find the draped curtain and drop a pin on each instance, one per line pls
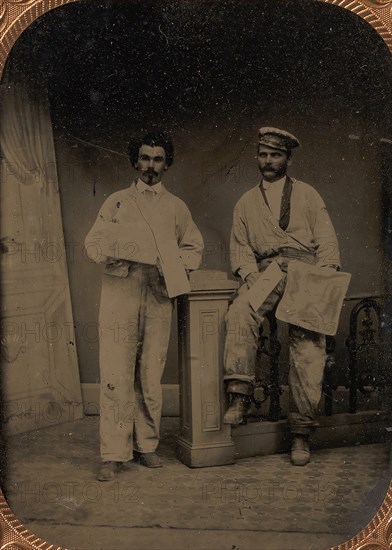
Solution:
(40, 368)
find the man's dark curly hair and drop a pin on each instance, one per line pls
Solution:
(153, 139)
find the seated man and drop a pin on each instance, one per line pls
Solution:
(148, 241)
(279, 219)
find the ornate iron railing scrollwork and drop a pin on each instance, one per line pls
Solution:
(364, 339)
(271, 347)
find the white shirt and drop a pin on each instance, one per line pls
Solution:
(141, 186)
(274, 191)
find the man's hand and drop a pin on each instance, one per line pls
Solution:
(114, 262)
(252, 278)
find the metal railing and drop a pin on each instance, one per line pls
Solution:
(365, 338)
(364, 344)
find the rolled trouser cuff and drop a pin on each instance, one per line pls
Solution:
(243, 387)
(113, 457)
(301, 426)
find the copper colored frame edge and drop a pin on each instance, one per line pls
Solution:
(378, 13)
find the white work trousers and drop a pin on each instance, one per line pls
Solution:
(307, 358)
(135, 319)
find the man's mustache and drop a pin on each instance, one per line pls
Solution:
(150, 172)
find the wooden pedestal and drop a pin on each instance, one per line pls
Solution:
(204, 439)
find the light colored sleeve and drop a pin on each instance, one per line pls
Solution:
(242, 258)
(325, 239)
(100, 243)
(189, 239)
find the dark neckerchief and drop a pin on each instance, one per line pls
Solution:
(284, 218)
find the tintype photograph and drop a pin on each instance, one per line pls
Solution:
(196, 275)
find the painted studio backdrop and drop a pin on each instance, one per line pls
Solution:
(78, 86)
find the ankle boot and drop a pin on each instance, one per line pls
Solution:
(108, 470)
(238, 406)
(300, 453)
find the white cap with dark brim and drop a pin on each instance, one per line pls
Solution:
(277, 139)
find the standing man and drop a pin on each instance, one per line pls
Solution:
(148, 242)
(280, 219)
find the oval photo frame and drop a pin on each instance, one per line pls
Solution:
(15, 17)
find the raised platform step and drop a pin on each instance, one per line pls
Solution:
(265, 438)
(340, 402)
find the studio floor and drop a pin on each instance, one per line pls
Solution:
(258, 503)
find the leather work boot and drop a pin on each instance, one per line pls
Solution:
(238, 406)
(300, 453)
(108, 471)
(150, 460)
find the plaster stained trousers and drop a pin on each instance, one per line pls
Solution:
(307, 358)
(134, 319)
